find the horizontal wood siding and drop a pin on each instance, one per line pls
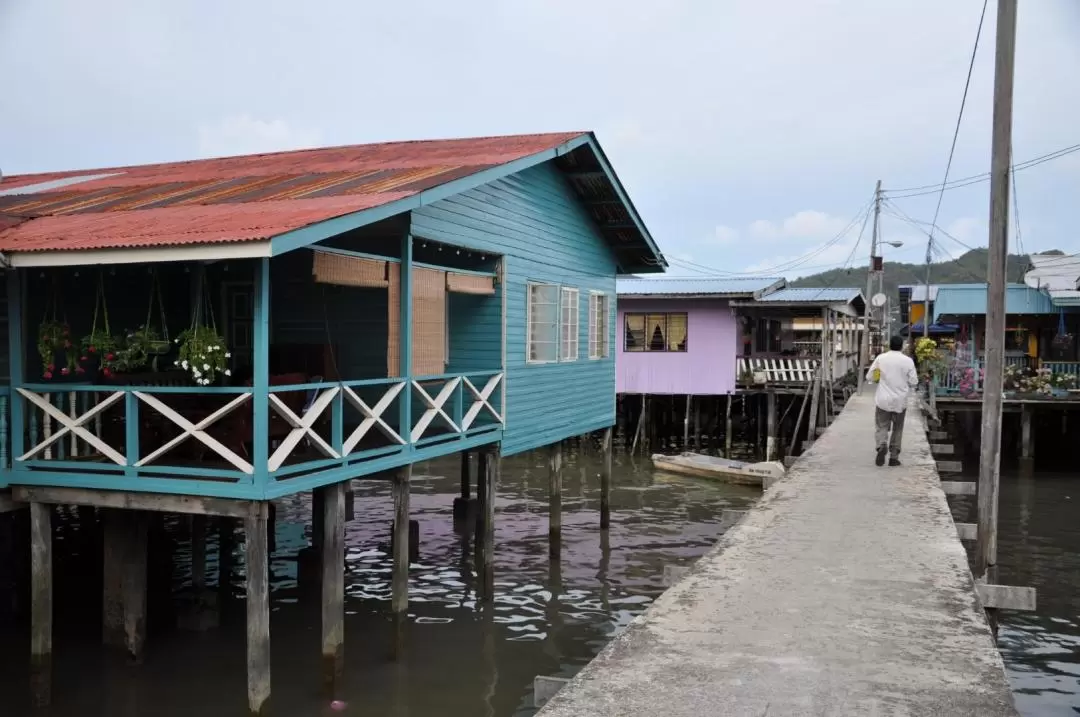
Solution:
(475, 330)
(536, 222)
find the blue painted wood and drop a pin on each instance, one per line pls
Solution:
(535, 221)
(5, 455)
(131, 428)
(260, 444)
(71, 479)
(474, 324)
(405, 337)
(339, 225)
(17, 352)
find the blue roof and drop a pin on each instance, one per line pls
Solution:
(695, 286)
(970, 300)
(826, 295)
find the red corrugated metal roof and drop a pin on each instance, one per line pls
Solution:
(237, 198)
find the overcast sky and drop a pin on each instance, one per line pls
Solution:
(748, 132)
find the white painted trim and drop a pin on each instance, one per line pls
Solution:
(435, 408)
(502, 280)
(565, 292)
(528, 322)
(302, 426)
(372, 417)
(196, 430)
(480, 400)
(88, 257)
(603, 350)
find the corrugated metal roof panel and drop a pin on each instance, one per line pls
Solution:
(247, 198)
(694, 286)
(828, 295)
(1057, 275)
(970, 300)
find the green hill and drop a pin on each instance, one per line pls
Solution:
(966, 269)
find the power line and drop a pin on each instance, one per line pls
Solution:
(783, 266)
(909, 192)
(956, 135)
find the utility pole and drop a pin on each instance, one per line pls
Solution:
(1000, 160)
(870, 288)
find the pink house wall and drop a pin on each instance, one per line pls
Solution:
(706, 368)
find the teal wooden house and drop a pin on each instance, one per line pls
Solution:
(205, 336)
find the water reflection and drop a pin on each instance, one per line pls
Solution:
(1039, 546)
(456, 654)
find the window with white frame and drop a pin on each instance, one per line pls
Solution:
(543, 323)
(570, 311)
(598, 325)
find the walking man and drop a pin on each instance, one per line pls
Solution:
(895, 376)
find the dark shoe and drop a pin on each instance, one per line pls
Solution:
(894, 461)
(880, 459)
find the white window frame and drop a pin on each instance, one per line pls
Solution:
(569, 324)
(529, 322)
(599, 344)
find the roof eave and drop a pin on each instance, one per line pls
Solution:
(219, 251)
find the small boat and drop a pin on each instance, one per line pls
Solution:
(695, 464)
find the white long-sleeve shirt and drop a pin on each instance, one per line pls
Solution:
(898, 376)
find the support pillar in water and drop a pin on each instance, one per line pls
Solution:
(487, 479)
(198, 555)
(399, 599)
(41, 604)
(461, 503)
(555, 475)
(605, 479)
(333, 584)
(727, 429)
(1027, 441)
(258, 610)
(770, 438)
(124, 572)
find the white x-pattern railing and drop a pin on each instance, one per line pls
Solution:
(303, 425)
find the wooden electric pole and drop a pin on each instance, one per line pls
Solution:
(865, 358)
(1000, 160)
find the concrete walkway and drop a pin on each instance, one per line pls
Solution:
(844, 592)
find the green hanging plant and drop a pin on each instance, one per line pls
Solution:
(203, 352)
(99, 347)
(54, 338)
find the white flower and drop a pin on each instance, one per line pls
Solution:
(228, 355)
(175, 363)
(206, 367)
(196, 372)
(176, 341)
(184, 364)
(215, 347)
(228, 372)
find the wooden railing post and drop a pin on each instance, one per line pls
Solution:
(260, 440)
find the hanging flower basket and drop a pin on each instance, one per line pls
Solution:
(99, 349)
(56, 349)
(203, 352)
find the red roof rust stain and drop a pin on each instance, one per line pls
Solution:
(239, 198)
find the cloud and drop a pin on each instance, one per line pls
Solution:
(807, 224)
(723, 235)
(244, 134)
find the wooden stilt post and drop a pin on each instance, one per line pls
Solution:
(114, 549)
(605, 480)
(727, 429)
(815, 396)
(489, 476)
(1026, 447)
(770, 438)
(555, 471)
(798, 420)
(640, 431)
(333, 584)
(697, 426)
(686, 424)
(258, 611)
(134, 584)
(400, 579)
(466, 475)
(41, 603)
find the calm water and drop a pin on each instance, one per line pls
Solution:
(547, 619)
(1039, 546)
(458, 659)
